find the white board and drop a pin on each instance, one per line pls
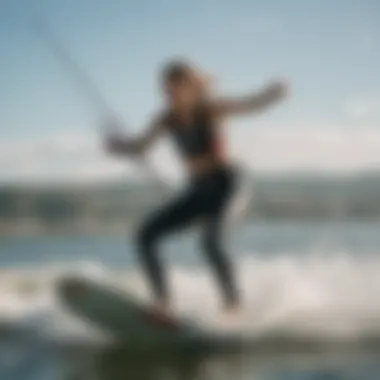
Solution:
(133, 322)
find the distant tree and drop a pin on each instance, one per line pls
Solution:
(56, 209)
(9, 203)
(364, 209)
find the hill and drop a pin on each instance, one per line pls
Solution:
(104, 205)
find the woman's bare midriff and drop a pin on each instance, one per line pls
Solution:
(199, 166)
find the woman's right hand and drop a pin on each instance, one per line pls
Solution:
(114, 140)
(117, 144)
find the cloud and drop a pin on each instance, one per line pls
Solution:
(366, 107)
(59, 157)
(317, 149)
(79, 157)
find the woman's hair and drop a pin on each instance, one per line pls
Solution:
(183, 71)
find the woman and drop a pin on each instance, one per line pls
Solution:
(193, 119)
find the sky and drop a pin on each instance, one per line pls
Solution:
(329, 52)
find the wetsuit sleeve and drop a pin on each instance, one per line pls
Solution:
(253, 102)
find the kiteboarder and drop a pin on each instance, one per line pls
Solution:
(193, 117)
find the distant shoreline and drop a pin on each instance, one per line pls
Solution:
(116, 207)
(21, 230)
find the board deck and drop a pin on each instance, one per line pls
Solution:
(132, 321)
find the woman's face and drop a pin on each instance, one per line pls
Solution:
(181, 93)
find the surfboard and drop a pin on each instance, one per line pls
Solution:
(133, 322)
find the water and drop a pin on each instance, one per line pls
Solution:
(310, 289)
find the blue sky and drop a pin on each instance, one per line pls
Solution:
(329, 52)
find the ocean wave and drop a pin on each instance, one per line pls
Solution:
(288, 299)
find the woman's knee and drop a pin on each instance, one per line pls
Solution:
(210, 243)
(147, 234)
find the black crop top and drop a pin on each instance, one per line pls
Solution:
(199, 138)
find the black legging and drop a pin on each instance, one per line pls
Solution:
(206, 199)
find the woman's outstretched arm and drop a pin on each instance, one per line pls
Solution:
(255, 102)
(117, 144)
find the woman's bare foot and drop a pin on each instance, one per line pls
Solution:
(162, 308)
(232, 311)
